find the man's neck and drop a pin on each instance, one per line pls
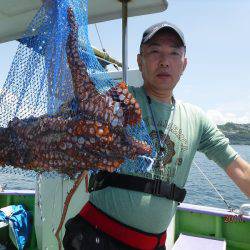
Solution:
(159, 95)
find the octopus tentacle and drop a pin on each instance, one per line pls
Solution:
(83, 86)
(83, 89)
(130, 107)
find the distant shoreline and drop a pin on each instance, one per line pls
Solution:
(238, 143)
(238, 134)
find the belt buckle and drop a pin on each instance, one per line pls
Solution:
(164, 189)
(172, 189)
(99, 180)
(157, 187)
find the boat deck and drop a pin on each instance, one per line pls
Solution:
(192, 224)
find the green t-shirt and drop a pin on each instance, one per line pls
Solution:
(190, 130)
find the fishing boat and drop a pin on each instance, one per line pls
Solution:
(193, 227)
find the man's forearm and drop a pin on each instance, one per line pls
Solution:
(239, 172)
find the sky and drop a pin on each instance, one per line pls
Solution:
(217, 33)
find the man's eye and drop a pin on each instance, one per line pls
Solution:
(154, 51)
(175, 53)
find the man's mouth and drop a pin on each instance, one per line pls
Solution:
(163, 75)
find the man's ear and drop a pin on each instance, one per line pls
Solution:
(184, 64)
(139, 61)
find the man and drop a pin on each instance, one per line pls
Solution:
(134, 217)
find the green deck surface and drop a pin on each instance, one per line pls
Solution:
(235, 231)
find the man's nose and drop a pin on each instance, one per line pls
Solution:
(164, 60)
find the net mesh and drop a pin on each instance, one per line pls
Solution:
(60, 112)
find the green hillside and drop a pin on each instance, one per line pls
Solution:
(237, 133)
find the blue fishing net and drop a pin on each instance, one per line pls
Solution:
(40, 82)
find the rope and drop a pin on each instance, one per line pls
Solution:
(100, 40)
(227, 203)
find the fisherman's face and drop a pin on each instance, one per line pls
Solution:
(162, 61)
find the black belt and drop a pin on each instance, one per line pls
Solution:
(155, 187)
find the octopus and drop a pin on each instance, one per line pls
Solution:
(91, 136)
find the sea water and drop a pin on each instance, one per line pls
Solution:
(199, 191)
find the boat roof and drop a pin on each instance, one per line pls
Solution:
(16, 14)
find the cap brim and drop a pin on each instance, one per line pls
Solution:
(157, 29)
